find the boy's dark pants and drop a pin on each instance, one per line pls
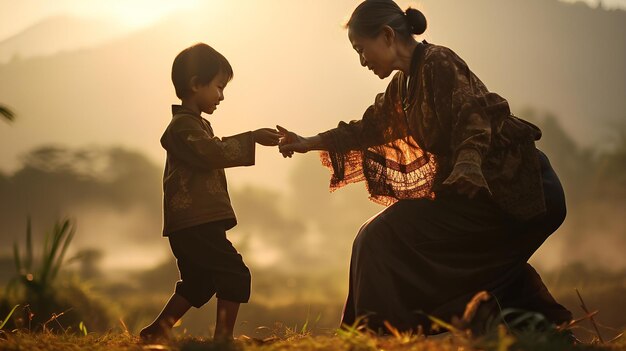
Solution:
(209, 264)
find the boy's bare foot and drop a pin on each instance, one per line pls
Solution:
(153, 333)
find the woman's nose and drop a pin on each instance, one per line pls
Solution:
(363, 61)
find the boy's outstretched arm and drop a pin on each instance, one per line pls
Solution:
(203, 151)
(267, 136)
(188, 141)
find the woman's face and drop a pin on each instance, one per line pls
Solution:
(375, 53)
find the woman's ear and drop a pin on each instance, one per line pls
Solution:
(390, 34)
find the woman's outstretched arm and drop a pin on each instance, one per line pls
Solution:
(381, 123)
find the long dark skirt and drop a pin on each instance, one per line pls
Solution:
(429, 257)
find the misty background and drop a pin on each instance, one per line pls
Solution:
(92, 97)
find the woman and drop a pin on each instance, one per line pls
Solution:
(469, 196)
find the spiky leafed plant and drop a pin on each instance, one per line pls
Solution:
(45, 299)
(33, 284)
(37, 280)
(6, 113)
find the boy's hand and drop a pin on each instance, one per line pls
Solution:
(266, 136)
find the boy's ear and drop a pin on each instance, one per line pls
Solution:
(193, 84)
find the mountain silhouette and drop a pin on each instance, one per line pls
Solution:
(56, 34)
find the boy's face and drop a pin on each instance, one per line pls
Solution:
(210, 95)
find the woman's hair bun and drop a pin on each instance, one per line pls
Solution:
(416, 20)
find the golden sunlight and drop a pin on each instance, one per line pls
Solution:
(141, 13)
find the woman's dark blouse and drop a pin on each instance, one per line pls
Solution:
(417, 139)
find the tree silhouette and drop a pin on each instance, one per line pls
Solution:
(6, 113)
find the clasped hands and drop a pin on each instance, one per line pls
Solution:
(288, 142)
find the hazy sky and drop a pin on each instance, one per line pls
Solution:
(18, 15)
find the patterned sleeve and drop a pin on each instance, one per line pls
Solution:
(464, 107)
(192, 144)
(377, 126)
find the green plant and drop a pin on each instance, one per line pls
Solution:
(35, 282)
(305, 328)
(38, 280)
(4, 322)
(83, 328)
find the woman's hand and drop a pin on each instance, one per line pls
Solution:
(292, 142)
(267, 136)
(467, 179)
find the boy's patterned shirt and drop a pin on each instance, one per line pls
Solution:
(194, 181)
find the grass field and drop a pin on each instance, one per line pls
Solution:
(342, 340)
(497, 338)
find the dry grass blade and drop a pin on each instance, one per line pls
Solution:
(55, 318)
(616, 338)
(584, 307)
(445, 325)
(392, 330)
(575, 322)
(156, 347)
(472, 307)
(124, 327)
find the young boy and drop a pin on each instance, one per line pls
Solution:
(196, 206)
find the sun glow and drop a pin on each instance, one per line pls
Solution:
(136, 13)
(141, 13)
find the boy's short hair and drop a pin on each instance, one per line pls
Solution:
(199, 60)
